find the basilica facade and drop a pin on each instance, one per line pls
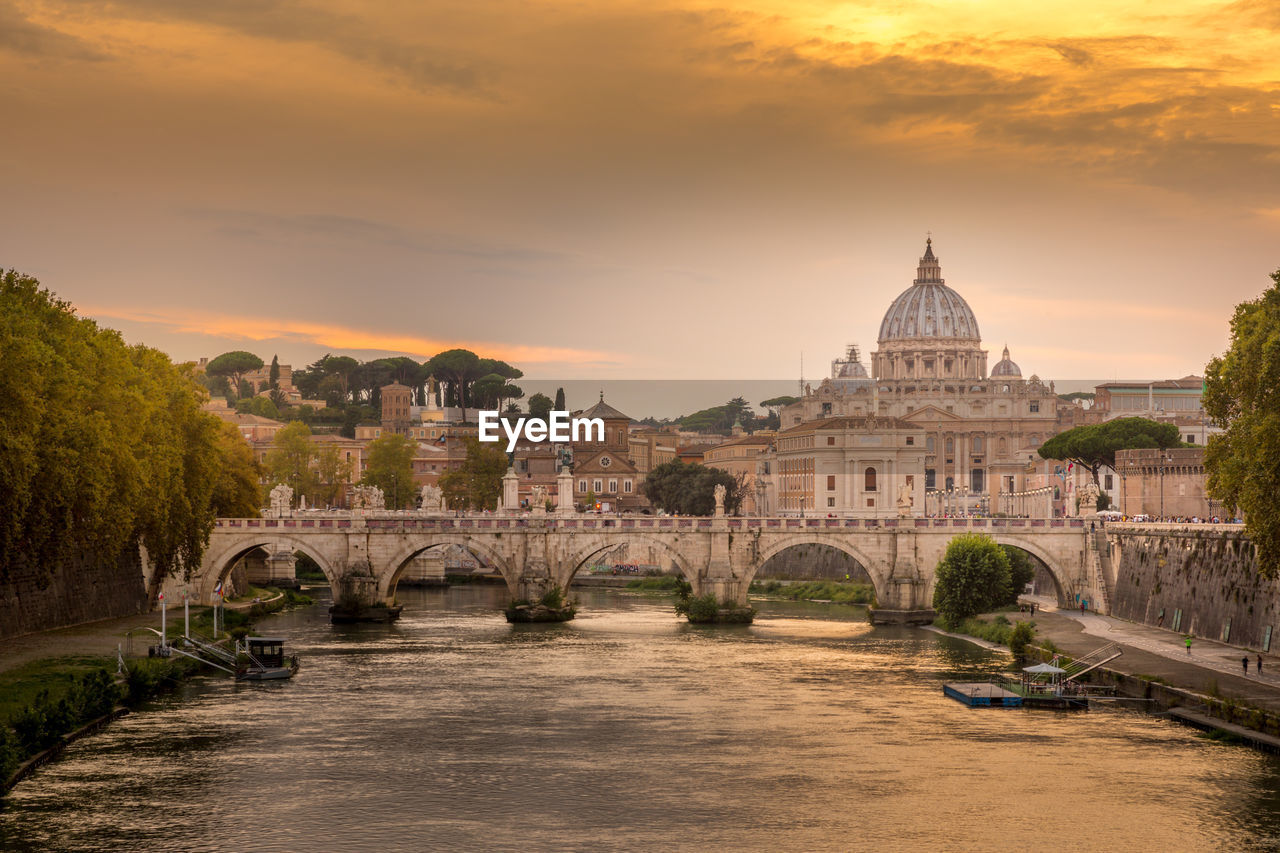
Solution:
(980, 429)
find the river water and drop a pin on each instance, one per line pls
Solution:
(627, 729)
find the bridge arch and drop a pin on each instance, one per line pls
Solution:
(397, 564)
(840, 543)
(579, 558)
(1063, 580)
(217, 564)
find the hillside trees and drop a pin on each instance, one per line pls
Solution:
(232, 366)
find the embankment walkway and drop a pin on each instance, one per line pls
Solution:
(1157, 652)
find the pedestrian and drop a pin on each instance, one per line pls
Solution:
(1244, 661)
(1082, 606)
(1259, 665)
(1187, 640)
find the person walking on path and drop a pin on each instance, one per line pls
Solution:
(1244, 661)
(1259, 666)
(1187, 640)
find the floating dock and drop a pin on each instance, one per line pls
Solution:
(982, 694)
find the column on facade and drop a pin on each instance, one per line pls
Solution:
(962, 459)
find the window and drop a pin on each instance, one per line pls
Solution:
(626, 486)
(831, 439)
(869, 478)
(831, 501)
(930, 478)
(1035, 406)
(911, 440)
(826, 409)
(977, 444)
(929, 446)
(582, 485)
(831, 482)
(951, 446)
(596, 486)
(1107, 482)
(605, 461)
(1191, 439)
(976, 480)
(613, 487)
(871, 502)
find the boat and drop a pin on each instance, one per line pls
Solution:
(263, 659)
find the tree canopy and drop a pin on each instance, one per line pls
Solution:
(1095, 445)
(102, 444)
(477, 484)
(690, 489)
(1242, 395)
(233, 366)
(973, 577)
(391, 469)
(540, 406)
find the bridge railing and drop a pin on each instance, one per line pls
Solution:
(330, 521)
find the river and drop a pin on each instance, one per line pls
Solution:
(627, 729)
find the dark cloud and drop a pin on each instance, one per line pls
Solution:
(19, 35)
(423, 66)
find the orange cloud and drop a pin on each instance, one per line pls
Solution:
(338, 337)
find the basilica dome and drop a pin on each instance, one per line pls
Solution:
(1006, 367)
(929, 309)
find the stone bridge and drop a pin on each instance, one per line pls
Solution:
(364, 555)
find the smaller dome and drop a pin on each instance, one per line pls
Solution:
(1006, 367)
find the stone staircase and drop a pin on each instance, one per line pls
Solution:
(1098, 553)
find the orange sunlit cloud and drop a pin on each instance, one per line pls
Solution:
(338, 338)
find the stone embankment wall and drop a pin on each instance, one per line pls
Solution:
(1198, 579)
(83, 589)
(813, 562)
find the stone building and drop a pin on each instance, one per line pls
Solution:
(856, 467)
(396, 402)
(980, 429)
(1164, 484)
(602, 468)
(740, 457)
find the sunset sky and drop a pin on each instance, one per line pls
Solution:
(645, 189)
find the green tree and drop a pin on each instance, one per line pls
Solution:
(540, 406)
(690, 489)
(262, 406)
(237, 492)
(779, 402)
(1095, 445)
(391, 469)
(1242, 395)
(289, 460)
(560, 400)
(332, 473)
(233, 366)
(458, 369)
(273, 376)
(972, 577)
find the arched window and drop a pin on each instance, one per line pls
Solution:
(928, 445)
(951, 446)
(977, 444)
(870, 480)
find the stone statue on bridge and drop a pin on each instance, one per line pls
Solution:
(367, 497)
(538, 500)
(1087, 499)
(281, 499)
(905, 501)
(720, 492)
(432, 498)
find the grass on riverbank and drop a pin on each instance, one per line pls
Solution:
(665, 583)
(1015, 635)
(833, 591)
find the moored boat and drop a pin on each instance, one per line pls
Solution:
(263, 659)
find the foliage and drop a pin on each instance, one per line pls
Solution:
(273, 375)
(560, 404)
(261, 406)
(720, 418)
(664, 582)
(972, 577)
(459, 369)
(779, 402)
(833, 591)
(698, 608)
(478, 483)
(1076, 395)
(391, 469)
(690, 489)
(42, 723)
(1242, 395)
(102, 444)
(1021, 572)
(1095, 445)
(233, 366)
(289, 460)
(540, 406)
(1020, 637)
(237, 491)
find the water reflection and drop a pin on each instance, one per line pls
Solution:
(626, 729)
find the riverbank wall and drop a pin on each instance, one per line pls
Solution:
(1199, 579)
(85, 588)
